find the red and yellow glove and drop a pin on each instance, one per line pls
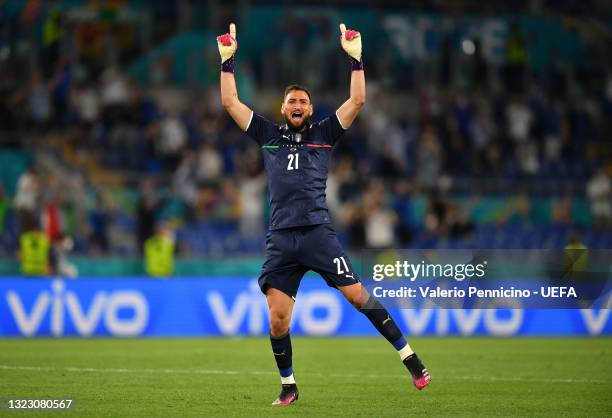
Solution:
(228, 45)
(351, 43)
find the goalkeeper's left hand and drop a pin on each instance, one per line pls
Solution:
(227, 44)
(351, 42)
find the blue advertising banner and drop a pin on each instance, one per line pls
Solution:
(234, 306)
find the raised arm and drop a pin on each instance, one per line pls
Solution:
(351, 43)
(240, 112)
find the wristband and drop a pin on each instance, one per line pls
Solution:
(355, 65)
(228, 65)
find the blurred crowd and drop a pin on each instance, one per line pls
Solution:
(111, 160)
(195, 166)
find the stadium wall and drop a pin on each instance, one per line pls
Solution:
(231, 306)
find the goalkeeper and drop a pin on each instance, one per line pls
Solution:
(301, 238)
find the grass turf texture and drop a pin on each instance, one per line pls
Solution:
(336, 376)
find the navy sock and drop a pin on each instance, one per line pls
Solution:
(281, 347)
(380, 318)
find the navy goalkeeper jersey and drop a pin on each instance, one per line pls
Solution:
(297, 166)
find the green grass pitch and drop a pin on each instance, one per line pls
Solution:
(356, 377)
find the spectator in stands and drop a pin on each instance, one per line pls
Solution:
(210, 164)
(349, 181)
(527, 158)
(52, 217)
(430, 156)
(458, 225)
(59, 264)
(184, 183)
(380, 219)
(392, 159)
(159, 252)
(143, 109)
(435, 215)
(251, 188)
(99, 219)
(519, 119)
(149, 205)
(114, 95)
(61, 86)
(353, 222)
(482, 133)
(75, 206)
(209, 200)
(229, 205)
(34, 251)
(576, 263)
(171, 141)
(561, 211)
(403, 206)
(520, 212)
(599, 192)
(27, 199)
(39, 104)
(86, 102)
(574, 242)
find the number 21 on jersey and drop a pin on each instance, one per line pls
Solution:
(294, 160)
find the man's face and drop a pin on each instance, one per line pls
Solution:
(297, 109)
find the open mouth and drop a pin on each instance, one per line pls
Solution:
(296, 116)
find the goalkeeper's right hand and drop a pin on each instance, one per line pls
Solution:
(228, 45)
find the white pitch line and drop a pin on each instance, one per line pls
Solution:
(531, 379)
(122, 370)
(267, 373)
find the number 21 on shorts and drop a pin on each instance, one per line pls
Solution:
(341, 265)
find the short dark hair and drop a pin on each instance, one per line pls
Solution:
(296, 87)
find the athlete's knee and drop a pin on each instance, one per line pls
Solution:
(356, 300)
(279, 321)
(356, 297)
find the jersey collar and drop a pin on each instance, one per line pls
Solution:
(294, 136)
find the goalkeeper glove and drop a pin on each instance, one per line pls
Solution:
(228, 45)
(351, 43)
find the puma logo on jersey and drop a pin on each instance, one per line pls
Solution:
(280, 354)
(386, 320)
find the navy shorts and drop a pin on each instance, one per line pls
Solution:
(291, 252)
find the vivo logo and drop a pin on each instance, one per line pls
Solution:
(63, 306)
(467, 321)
